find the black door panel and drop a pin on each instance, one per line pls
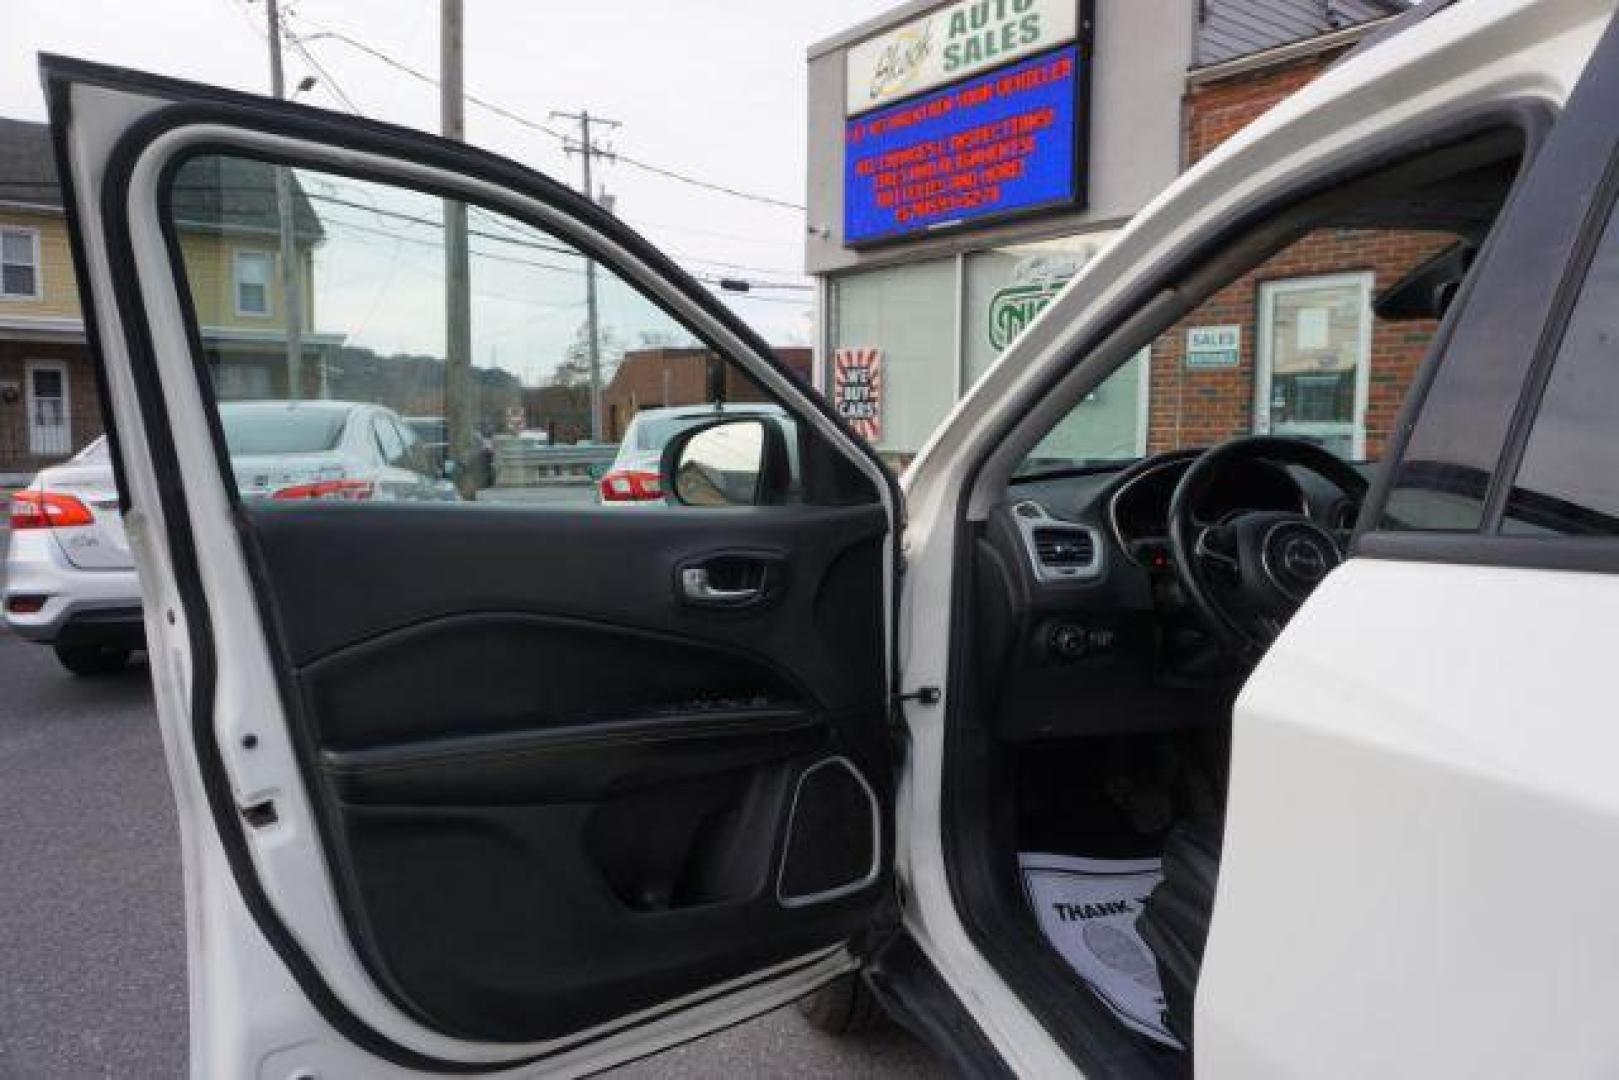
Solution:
(532, 671)
(554, 792)
(570, 764)
(340, 575)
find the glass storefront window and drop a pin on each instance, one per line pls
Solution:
(1005, 290)
(1314, 341)
(1008, 287)
(907, 314)
(1109, 424)
(928, 343)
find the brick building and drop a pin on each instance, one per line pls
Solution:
(1189, 405)
(1141, 90)
(656, 378)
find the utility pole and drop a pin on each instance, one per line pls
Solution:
(292, 297)
(587, 149)
(458, 395)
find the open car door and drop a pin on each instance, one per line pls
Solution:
(1414, 878)
(474, 774)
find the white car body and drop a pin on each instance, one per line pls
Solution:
(343, 446)
(1414, 880)
(640, 451)
(84, 572)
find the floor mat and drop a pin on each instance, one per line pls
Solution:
(1087, 909)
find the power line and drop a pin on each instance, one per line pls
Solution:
(501, 222)
(738, 266)
(532, 125)
(509, 237)
(670, 174)
(326, 76)
(423, 77)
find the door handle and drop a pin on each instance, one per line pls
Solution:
(696, 587)
(729, 579)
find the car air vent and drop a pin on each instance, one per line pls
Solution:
(1064, 548)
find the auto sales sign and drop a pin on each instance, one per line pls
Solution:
(951, 44)
(973, 114)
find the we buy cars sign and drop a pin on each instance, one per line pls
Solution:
(857, 390)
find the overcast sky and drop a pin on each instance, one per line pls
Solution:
(714, 88)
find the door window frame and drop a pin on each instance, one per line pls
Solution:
(186, 443)
(1363, 280)
(36, 434)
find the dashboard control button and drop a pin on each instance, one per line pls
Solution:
(1068, 642)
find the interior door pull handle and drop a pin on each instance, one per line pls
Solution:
(695, 584)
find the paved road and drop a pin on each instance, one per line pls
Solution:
(92, 943)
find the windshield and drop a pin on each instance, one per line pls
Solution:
(280, 429)
(1299, 348)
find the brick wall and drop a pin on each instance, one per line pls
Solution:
(1215, 111)
(1198, 407)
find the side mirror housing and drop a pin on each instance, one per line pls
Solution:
(729, 461)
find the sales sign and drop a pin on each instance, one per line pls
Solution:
(1213, 346)
(996, 144)
(952, 43)
(857, 390)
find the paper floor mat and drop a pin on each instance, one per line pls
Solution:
(1087, 909)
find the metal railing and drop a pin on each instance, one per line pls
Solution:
(522, 463)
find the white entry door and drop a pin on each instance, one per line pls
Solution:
(49, 431)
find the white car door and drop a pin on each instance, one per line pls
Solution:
(1416, 878)
(1420, 798)
(471, 789)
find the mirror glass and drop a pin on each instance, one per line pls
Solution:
(720, 465)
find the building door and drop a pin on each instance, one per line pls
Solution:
(1315, 337)
(49, 433)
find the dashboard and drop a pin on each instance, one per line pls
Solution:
(1084, 629)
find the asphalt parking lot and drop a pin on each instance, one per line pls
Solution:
(92, 942)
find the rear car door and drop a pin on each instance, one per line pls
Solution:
(1415, 878)
(508, 783)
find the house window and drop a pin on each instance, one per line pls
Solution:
(1315, 338)
(19, 264)
(252, 275)
(49, 434)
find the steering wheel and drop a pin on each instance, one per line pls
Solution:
(1247, 574)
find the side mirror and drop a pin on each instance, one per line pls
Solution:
(731, 461)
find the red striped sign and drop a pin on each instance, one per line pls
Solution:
(857, 390)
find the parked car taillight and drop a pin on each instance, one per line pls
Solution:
(631, 485)
(48, 510)
(340, 490)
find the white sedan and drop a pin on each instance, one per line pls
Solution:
(69, 580)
